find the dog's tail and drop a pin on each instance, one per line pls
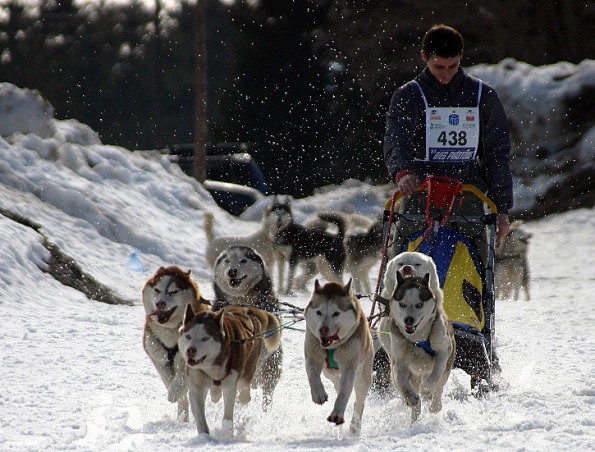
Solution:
(209, 222)
(337, 219)
(272, 332)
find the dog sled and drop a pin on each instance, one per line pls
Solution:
(455, 224)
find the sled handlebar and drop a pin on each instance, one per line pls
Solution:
(397, 196)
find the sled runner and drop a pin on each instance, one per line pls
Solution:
(455, 224)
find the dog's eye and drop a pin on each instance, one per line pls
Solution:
(173, 292)
(157, 291)
(419, 305)
(402, 305)
(204, 339)
(188, 337)
(318, 312)
(336, 314)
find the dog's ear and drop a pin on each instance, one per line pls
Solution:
(158, 274)
(426, 280)
(188, 272)
(189, 314)
(316, 286)
(347, 287)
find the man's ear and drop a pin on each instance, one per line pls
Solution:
(423, 55)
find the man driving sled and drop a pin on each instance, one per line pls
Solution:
(413, 144)
(447, 123)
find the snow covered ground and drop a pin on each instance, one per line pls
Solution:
(74, 376)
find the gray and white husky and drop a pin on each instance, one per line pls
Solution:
(241, 279)
(277, 214)
(338, 344)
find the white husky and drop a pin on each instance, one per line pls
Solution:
(338, 343)
(409, 263)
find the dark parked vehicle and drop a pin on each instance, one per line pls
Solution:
(234, 178)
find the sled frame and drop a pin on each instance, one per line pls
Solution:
(442, 194)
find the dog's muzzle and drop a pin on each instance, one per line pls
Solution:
(195, 362)
(327, 341)
(163, 316)
(233, 278)
(407, 270)
(410, 326)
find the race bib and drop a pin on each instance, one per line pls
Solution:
(452, 134)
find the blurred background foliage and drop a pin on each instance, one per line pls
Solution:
(307, 81)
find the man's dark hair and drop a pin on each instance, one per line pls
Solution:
(443, 41)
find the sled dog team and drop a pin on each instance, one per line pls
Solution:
(226, 348)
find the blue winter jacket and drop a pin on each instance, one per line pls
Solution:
(404, 139)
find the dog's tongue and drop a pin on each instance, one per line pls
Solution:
(163, 316)
(410, 329)
(326, 341)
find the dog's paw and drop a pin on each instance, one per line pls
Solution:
(435, 405)
(176, 390)
(356, 426)
(319, 395)
(415, 412)
(227, 428)
(411, 399)
(427, 390)
(244, 396)
(336, 418)
(183, 416)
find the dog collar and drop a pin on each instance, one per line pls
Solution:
(330, 361)
(426, 346)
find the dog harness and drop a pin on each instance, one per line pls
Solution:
(171, 353)
(227, 370)
(426, 346)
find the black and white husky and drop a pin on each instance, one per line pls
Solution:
(307, 243)
(363, 252)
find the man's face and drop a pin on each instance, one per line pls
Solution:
(444, 69)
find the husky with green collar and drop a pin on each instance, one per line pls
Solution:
(338, 344)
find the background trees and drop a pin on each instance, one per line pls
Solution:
(308, 80)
